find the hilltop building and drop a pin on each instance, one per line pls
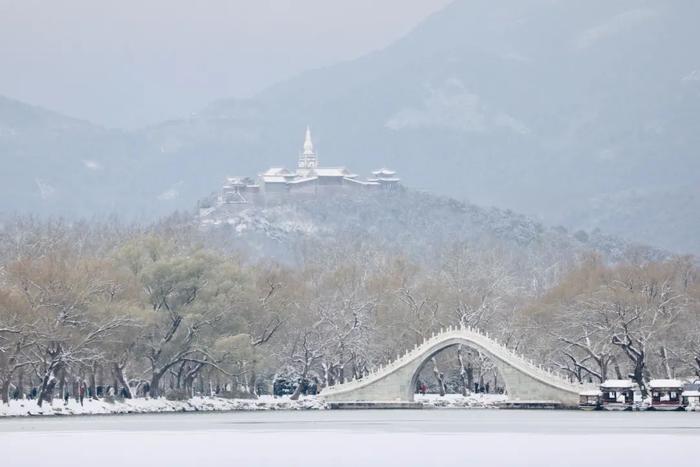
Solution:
(237, 190)
(308, 178)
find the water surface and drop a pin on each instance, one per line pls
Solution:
(448, 437)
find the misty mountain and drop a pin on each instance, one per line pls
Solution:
(581, 113)
(53, 164)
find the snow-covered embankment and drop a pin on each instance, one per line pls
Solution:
(20, 408)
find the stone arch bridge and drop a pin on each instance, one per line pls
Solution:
(523, 379)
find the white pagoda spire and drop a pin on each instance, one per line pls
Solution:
(307, 159)
(308, 144)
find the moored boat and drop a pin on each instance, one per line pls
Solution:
(691, 396)
(666, 394)
(617, 394)
(691, 401)
(590, 400)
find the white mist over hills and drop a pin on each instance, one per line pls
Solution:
(130, 63)
(581, 113)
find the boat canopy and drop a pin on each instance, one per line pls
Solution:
(618, 384)
(666, 383)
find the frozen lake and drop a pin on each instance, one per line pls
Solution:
(449, 437)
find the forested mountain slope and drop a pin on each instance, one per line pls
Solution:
(542, 107)
(419, 227)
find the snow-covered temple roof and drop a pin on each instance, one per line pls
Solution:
(276, 171)
(297, 181)
(274, 179)
(333, 172)
(384, 179)
(361, 182)
(240, 181)
(383, 171)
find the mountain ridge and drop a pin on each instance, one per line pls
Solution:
(543, 107)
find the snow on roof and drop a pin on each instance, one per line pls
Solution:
(618, 383)
(302, 180)
(247, 181)
(361, 182)
(691, 393)
(333, 172)
(384, 179)
(383, 171)
(276, 171)
(273, 179)
(665, 383)
(590, 392)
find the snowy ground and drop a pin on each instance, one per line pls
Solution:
(196, 404)
(215, 404)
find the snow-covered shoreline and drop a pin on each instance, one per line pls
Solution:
(26, 408)
(457, 401)
(22, 408)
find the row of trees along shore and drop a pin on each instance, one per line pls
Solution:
(157, 312)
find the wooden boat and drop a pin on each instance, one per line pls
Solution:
(590, 400)
(666, 394)
(617, 394)
(691, 397)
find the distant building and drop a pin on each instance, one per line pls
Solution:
(385, 177)
(308, 178)
(238, 190)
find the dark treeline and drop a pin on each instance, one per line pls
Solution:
(158, 311)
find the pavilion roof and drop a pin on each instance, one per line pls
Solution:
(384, 171)
(276, 171)
(247, 181)
(361, 182)
(274, 179)
(384, 179)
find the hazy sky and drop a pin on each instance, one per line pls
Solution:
(127, 63)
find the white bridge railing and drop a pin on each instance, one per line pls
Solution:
(490, 345)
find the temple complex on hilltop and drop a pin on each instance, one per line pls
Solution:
(308, 178)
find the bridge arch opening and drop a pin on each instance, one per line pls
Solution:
(486, 376)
